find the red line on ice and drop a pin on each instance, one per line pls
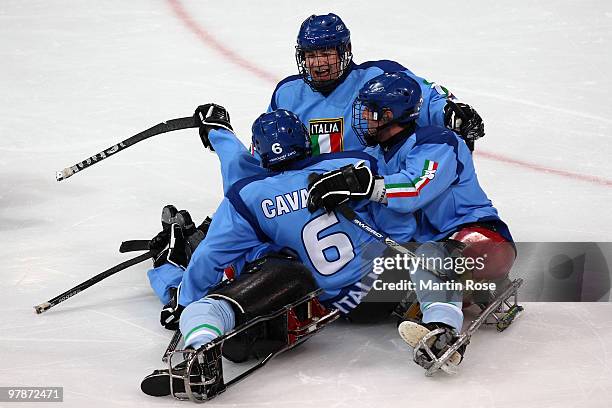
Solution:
(210, 41)
(520, 163)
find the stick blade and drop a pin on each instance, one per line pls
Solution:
(43, 307)
(134, 245)
(64, 174)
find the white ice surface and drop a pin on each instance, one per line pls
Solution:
(77, 77)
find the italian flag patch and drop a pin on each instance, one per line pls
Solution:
(412, 189)
(326, 135)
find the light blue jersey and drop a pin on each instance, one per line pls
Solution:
(236, 164)
(272, 208)
(430, 173)
(236, 160)
(328, 116)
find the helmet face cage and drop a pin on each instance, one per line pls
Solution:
(396, 93)
(322, 68)
(366, 122)
(323, 51)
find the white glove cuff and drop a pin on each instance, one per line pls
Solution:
(379, 192)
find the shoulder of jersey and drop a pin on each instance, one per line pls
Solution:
(242, 183)
(436, 135)
(291, 80)
(384, 65)
(326, 161)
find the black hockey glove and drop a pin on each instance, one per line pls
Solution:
(160, 242)
(177, 243)
(171, 313)
(211, 116)
(328, 190)
(465, 121)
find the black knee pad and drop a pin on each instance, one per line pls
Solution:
(275, 283)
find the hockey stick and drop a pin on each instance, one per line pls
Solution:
(172, 345)
(134, 245)
(167, 126)
(43, 307)
(348, 213)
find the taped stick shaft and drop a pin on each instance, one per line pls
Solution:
(168, 126)
(43, 307)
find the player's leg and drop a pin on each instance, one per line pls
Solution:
(201, 322)
(163, 279)
(205, 320)
(273, 284)
(266, 285)
(381, 292)
(493, 257)
(440, 302)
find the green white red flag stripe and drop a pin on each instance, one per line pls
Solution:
(326, 143)
(412, 189)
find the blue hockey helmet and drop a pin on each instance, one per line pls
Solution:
(318, 34)
(396, 93)
(280, 137)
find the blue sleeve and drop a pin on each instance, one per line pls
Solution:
(434, 101)
(236, 161)
(427, 172)
(163, 278)
(230, 237)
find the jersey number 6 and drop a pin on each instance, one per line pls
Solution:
(318, 246)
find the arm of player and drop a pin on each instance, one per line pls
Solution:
(236, 160)
(164, 277)
(229, 238)
(434, 101)
(441, 108)
(400, 227)
(428, 171)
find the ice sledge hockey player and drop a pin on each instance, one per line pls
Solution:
(321, 95)
(426, 171)
(236, 164)
(271, 210)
